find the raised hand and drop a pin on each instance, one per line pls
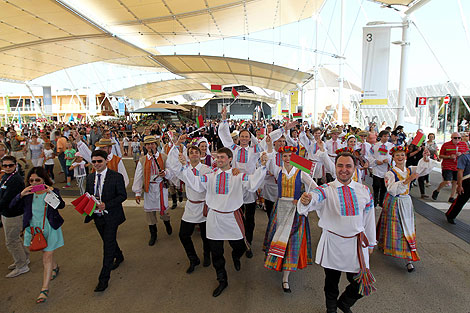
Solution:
(235, 171)
(182, 159)
(181, 139)
(264, 158)
(224, 113)
(306, 198)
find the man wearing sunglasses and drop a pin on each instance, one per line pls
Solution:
(449, 154)
(12, 184)
(108, 188)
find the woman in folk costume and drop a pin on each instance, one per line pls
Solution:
(287, 242)
(396, 226)
(206, 156)
(293, 140)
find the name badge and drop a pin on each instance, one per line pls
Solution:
(52, 200)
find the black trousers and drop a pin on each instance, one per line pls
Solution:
(111, 249)
(248, 210)
(378, 184)
(421, 180)
(186, 231)
(50, 170)
(269, 207)
(458, 203)
(350, 294)
(218, 260)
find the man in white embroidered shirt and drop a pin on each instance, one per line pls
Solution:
(347, 219)
(224, 197)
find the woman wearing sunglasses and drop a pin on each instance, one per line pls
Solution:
(43, 215)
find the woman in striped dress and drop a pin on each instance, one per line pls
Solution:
(287, 242)
(396, 232)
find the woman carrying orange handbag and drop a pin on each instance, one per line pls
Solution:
(41, 203)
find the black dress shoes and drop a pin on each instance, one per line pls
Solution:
(169, 229)
(237, 264)
(117, 262)
(192, 266)
(219, 289)
(450, 220)
(286, 287)
(101, 287)
(249, 253)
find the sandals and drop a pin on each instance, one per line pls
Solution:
(40, 299)
(55, 272)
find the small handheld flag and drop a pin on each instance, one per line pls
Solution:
(216, 88)
(235, 94)
(243, 123)
(200, 121)
(285, 112)
(419, 139)
(301, 163)
(297, 116)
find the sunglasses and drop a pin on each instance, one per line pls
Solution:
(8, 165)
(35, 180)
(456, 137)
(96, 161)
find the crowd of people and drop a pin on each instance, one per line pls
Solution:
(229, 168)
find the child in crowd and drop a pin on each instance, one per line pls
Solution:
(69, 157)
(49, 156)
(125, 144)
(136, 149)
(79, 171)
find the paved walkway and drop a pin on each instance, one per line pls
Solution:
(154, 278)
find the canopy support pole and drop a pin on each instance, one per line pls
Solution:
(405, 47)
(341, 65)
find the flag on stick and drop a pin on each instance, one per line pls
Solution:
(200, 121)
(297, 116)
(243, 123)
(419, 139)
(285, 112)
(235, 94)
(216, 88)
(79, 117)
(301, 163)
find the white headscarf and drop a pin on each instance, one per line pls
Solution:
(208, 152)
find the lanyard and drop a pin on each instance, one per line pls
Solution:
(6, 180)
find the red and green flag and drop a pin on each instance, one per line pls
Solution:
(235, 94)
(418, 139)
(216, 88)
(200, 121)
(301, 163)
(285, 112)
(297, 116)
(383, 151)
(243, 123)
(90, 206)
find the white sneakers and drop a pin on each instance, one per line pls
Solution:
(13, 266)
(18, 272)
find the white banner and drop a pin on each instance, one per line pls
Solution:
(91, 99)
(375, 64)
(47, 100)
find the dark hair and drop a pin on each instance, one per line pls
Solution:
(9, 158)
(384, 133)
(346, 154)
(244, 130)
(316, 129)
(41, 172)
(100, 153)
(293, 130)
(191, 147)
(431, 134)
(226, 151)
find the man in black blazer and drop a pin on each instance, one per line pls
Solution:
(109, 188)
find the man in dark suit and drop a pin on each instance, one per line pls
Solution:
(108, 187)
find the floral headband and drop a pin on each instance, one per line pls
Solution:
(397, 149)
(287, 149)
(345, 149)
